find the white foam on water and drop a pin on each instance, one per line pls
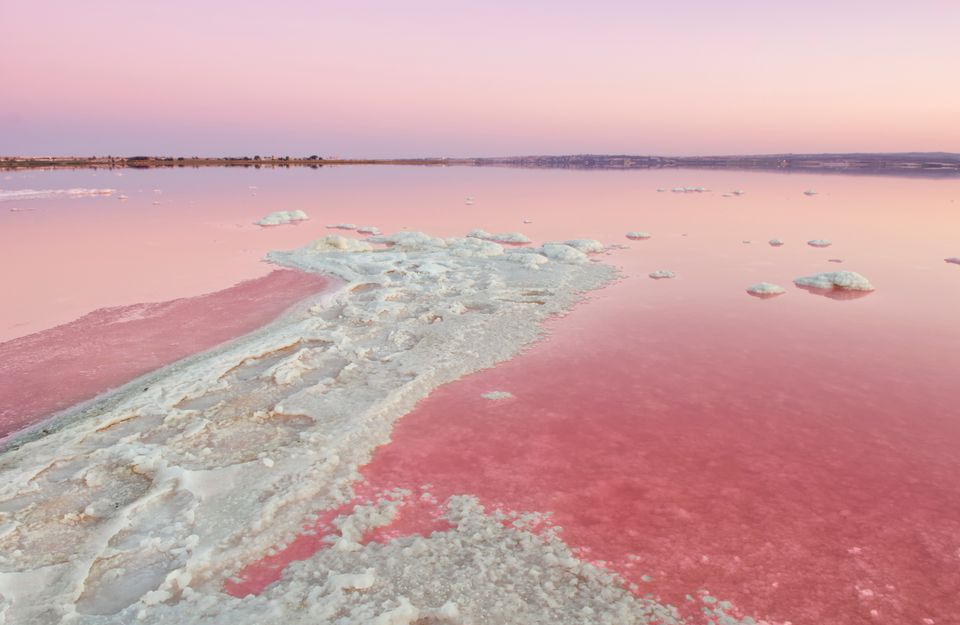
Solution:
(10, 195)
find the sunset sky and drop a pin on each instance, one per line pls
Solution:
(456, 78)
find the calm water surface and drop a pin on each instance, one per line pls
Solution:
(796, 455)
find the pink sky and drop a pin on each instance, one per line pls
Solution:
(385, 78)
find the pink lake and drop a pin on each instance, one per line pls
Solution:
(796, 455)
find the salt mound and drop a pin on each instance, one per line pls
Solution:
(587, 246)
(503, 237)
(342, 226)
(638, 236)
(845, 280)
(10, 195)
(563, 253)
(819, 243)
(495, 395)
(953, 259)
(337, 243)
(662, 274)
(409, 240)
(775, 242)
(765, 290)
(282, 217)
(368, 230)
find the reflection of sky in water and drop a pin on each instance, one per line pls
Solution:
(781, 453)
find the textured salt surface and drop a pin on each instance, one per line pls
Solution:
(158, 481)
(10, 195)
(282, 217)
(776, 242)
(819, 243)
(637, 236)
(51, 370)
(497, 395)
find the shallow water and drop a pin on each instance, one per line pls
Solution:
(795, 455)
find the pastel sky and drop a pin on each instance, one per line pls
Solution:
(472, 78)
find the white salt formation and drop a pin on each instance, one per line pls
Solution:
(503, 237)
(638, 236)
(662, 274)
(368, 230)
(765, 289)
(495, 395)
(10, 195)
(280, 218)
(142, 502)
(776, 242)
(845, 280)
(587, 246)
(342, 226)
(819, 243)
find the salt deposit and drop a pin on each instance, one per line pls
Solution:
(342, 226)
(503, 237)
(953, 259)
(638, 236)
(661, 274)
(765, 289)
(587, 246)
(845, 280)
(775, 242)
(10, 195)
(495, 395)
(809, 192)
(368, 230)
(282, 217)
(738, 192)
(139, 507)
(819, 243)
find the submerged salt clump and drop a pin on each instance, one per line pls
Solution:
(819, 243)
(846, 280)
(662, 274)
(503, 237)
(953, 259)
(368, 230)
(638, 236)
(495, 395)
(809, 192)
(765, 289)
(282, 217)
(775, 242)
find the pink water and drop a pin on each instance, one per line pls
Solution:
(795, 455)
(48, 371)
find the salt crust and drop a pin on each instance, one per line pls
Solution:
(10, 195)
(138, 511)
(282, 217)
(662, 274)
(503, 237)
(638, 236)
(819, 243)
(847, 280)
(497, 395)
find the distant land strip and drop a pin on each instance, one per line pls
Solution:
(925, 164)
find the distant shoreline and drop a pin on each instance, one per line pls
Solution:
(922, 164)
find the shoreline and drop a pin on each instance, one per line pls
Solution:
(911, 164)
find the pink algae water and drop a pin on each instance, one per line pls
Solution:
(794, 455)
